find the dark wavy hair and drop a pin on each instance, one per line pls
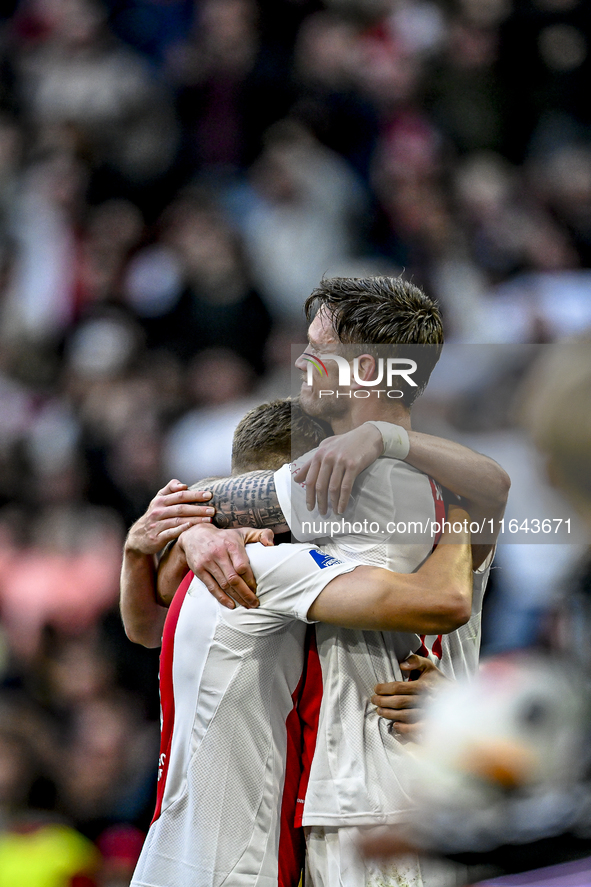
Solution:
(373, 311)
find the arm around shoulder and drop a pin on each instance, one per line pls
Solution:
(436, 599)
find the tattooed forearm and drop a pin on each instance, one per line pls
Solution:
(248, 500)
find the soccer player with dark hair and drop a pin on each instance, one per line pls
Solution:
(389, 311)
(357, 765)
(230, 681)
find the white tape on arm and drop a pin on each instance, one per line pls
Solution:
(396, 442)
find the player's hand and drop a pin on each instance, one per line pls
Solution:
(219, 559)
(403, 701)
(173, 510)
(333, 469)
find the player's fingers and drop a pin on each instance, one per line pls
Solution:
(419, 665)
(345, 492)
(223, 570)
(236, 576)
(240, 563)
(172, 486)
(398, 717)
(243, 583)
(176, 525)
(195, 510)
(183, 511)
(396, 688)
(175, 491)
(408, 732)
(211, 583)
(334, 485)
(323, 481)
(387, 713)
(199, 495)
(302, 473)
(395, 702)
(414, 662)
(225, 584)
(176, 497)
(411, 716)
(312, 475)
(172, 533)
(241, 593)
(387, 689)
(250, 534)
(174, 506)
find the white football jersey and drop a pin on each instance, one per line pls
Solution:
(457, 653)
(230, 754)
(354, 767)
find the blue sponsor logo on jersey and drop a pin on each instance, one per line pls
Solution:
(324, 560)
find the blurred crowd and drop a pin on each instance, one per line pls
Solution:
(175, 178)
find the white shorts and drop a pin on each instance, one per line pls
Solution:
(333, 860)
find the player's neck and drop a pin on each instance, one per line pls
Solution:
(371, 408)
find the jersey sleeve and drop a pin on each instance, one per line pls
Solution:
(290, 577)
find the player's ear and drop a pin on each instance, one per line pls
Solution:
(364, 369)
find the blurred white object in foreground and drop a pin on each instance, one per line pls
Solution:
(502, 757)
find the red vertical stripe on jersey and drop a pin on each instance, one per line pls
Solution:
(422, 651)
(309, 711)
(166, 688)
(291, 839)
